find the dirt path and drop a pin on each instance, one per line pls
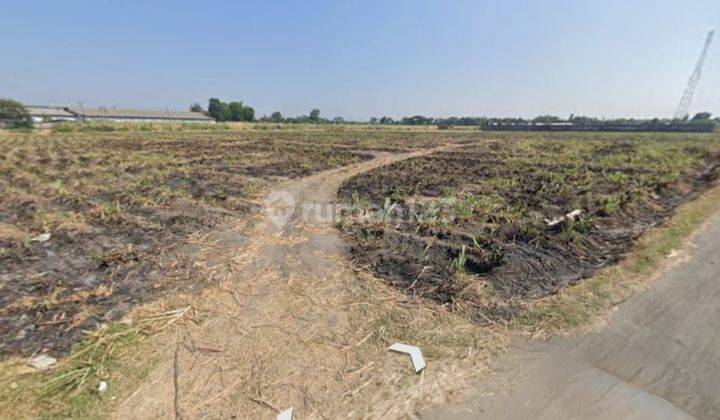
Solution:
(658, 358)
(284, 327)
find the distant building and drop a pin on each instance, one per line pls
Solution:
(136, 115)
(41, 114)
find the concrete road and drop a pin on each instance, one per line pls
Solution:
(659, 358)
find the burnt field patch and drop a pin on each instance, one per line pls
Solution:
(93, 223)
(489, 226)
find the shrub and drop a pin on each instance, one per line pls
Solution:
(14, 114)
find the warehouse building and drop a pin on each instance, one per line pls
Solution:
(42, 114)
(135, 115)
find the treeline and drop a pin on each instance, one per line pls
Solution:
(422, 120)
(701, 117)
(454, 121)
(312, 118)
(238, 111)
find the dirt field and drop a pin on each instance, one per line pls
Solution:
(169, 223)
(116, 204)
(484, 227)
(639, 365)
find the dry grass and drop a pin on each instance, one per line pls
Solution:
(258, 341)
(277, 323)
(585, 306)
(486, 208)
(367, 381)
(118, 353)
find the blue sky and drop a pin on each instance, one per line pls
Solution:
(363, 58)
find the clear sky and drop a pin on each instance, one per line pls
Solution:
(363, 58)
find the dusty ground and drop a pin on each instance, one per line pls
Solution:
(658, 357)
(118, 208)
(299, 280)
(280, 317)
(292, 325)
(113, 208)
(469, 227)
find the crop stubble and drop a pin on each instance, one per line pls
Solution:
(469, 227)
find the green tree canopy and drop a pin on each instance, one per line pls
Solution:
(276, 117)
(237, 111)
(546, 119)
(248, 114)
(218, 110)
(234, 111)
(196, 107)
(14, 114)
(418, 120)
(702, 116)
(315, 115)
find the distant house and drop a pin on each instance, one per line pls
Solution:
(40, 114)
(136, 115)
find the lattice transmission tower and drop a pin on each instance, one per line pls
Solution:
(686, 100)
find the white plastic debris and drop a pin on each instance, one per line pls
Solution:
(414, 352)
(42, 361)
(570, 216)
(102, 387)
(285, 415)
(43, 237)
(574, 214)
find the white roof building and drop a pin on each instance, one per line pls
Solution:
(129, 115)
(49, 113)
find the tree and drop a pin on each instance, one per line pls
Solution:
(581, 119)
(14, 114)
(338, 120)
(248, 114)
(196, 107)
(702, 116)
(214, 105)
(237, 111)
(218, 110)
(417, 120)
(276, 117)
(315, 115)
(546, 119)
